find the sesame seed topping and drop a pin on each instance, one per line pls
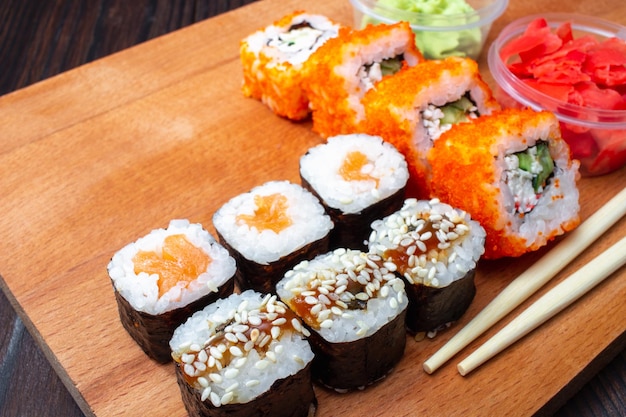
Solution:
(224, 354)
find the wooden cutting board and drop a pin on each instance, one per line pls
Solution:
(99, 156)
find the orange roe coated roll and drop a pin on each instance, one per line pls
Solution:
(393, 109)
(465, 175)
(270, 75)
(332, 81)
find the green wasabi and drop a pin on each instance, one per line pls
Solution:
(434, 44)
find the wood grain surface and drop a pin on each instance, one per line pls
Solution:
(103, 153)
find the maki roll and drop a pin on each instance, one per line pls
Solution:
(413, 108)
(270, 229)
(354, 308)
(162, 278)
(245, 355)
(340, 72)
(435, 248)
(358, 178)
(272, 61)
(522, 178)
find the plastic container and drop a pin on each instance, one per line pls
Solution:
(437, 35)
(597, 137)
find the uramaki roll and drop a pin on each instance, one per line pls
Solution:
(163, 278)
(411, 110)
(340, 72)
(513, 173)
(269, 229)
(358, 179)
(354, 308)
(272, 61)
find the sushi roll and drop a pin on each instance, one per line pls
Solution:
(272, 61)
(435, 248)
(270, 229)
(354, 308)
(522, 178)
(340, 72)
(246, 355)
(163, 277)
(358, 178)
(413, 108)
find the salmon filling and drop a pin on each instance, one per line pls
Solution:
(270, 214)
(179, 263)
(354, 168)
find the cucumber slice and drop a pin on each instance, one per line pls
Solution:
(542, 155)
(391, 66)
(544, 158)
(456, 111)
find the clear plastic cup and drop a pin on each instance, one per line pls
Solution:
(437, 35)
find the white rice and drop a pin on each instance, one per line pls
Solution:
(295, 46)
(141, 290)
(460, 241)
(322, 284)
(249, 365)
(321, 165)
(309, 223)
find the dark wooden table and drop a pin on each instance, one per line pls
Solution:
(39, 39)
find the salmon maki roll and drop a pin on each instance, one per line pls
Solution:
(358, 179)
(413, 108)
(272, 60)
(270, 229)
(513, 173)
(164, 277)
(342, 70)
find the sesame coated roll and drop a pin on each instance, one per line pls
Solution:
(358, 179)
(272, 60)
(413, 108)
(354, 308)
(513, 173)
(339, 73)
(435, 248)
(246, 355)
(163, 277)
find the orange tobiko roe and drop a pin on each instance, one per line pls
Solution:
(179, 262)
(270, 214)
(352, 168)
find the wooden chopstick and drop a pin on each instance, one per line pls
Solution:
(533, 278)
(551, 303)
